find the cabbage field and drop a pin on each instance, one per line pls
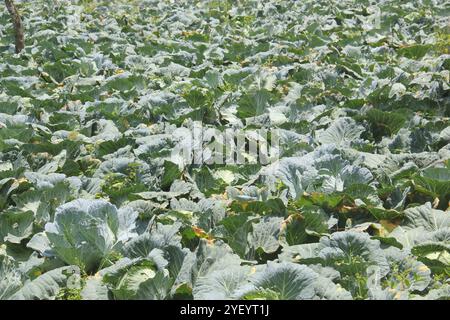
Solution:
(128, 131)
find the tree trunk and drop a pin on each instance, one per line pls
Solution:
(17, 22)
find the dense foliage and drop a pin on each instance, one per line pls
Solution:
(92, 207)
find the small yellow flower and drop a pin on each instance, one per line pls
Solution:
(72, 135)
(423, 268)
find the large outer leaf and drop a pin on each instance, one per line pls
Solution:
(84, 232)
(426, 217)
(221, 284)
(435, 182)
(234, 229)
(207, 259)
(352, 252)
(160, 237)
(342, 133)
(265, 235)
(10, 278)
(46, 286)
(305, 226)
(15, 226)
(328, 290)
(288, 280)
(95, 289)
(140, 278)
